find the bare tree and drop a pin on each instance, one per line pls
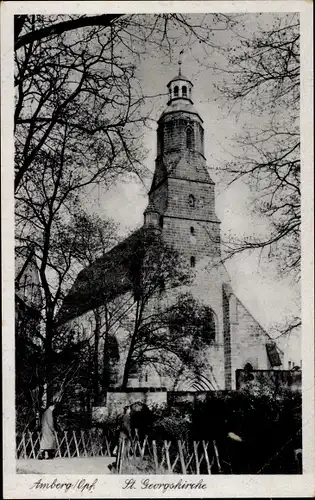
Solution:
(169, 339)
(157, 326)
(73, 93)
(81, 71)
(56, 28)
(137, 290)
(94, 237)
(77, 124)
(48, 218)
(263, 79)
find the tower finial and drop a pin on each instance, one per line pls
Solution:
(180, 63)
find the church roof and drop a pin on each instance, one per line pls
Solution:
(108, 277)
(179, 77)
(179, 104)
(27, 284)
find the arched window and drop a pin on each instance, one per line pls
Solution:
(192, 261)
(184, 91)
(208, 326)
(192, 230)
(176, 91)
(191, 201)
(189, 138)
(112, 347)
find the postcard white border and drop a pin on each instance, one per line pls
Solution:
(111, 486)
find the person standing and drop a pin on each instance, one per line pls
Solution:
(124, 438)
(48, 439)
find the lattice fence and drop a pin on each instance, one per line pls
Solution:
(69, 444)
(172, 457)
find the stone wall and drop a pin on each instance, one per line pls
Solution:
(160, 197)
(172, 131)
(199, 242)
(248, 340)
(179, 191)
(178, 398)
(272, 379)
(117, 400)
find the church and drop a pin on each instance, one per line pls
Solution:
(181, 206)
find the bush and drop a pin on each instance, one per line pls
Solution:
(171, 427)
(270, 428)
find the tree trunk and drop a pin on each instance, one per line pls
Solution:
(106, 368)
(139, 310)
(106, 365)
(96, 392)
(128, 362)
(48, 356)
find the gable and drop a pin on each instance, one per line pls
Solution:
(27, 282)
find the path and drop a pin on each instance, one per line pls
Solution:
(84, 465)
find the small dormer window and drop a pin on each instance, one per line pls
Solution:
(191, 201)
(184, 91)
(176, 90)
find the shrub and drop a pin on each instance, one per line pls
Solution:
(270, 428)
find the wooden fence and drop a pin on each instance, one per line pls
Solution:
(172, 457)
(168, 457)
(69, 444)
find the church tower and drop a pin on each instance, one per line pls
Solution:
(182, 197)
(182, 206)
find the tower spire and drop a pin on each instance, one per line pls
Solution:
(180, 68)
(180, 63)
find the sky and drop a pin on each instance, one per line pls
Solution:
(268, 296)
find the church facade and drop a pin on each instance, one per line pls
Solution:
(182, 206)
